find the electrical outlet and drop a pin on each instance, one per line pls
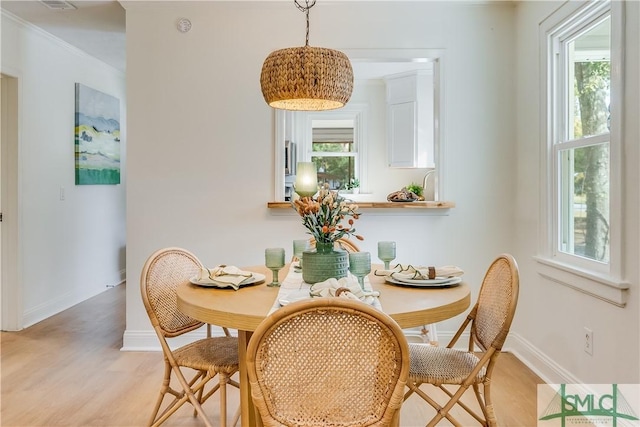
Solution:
(588, 341)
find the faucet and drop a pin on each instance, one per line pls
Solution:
(430, 175)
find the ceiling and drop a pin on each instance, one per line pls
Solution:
(95, 27)
(98, 28)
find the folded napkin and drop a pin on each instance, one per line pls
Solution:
(409, 272)
(224, 274)
(346, 287)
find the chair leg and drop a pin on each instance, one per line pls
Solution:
(163, 390)
(198, 375)
(440, 414)
(492, 421)
(486, 403)
(444, 411)
(170, 409)
(407, 395)
(194, 400)
(195, 396)
(224, 378)
(470, 411)
(188, 394)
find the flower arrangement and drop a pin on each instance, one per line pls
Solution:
(323, 214)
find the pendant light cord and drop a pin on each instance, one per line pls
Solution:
(305, 9)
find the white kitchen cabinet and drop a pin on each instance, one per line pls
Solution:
(410, 119)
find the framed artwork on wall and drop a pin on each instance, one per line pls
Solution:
(97, 137)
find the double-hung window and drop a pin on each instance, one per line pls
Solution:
(334, 152)
(582, 162)
(333, 141)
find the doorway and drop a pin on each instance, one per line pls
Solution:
(10, 286)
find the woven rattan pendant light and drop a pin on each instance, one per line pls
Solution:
(306, 78)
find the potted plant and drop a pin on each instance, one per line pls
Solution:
(353, 185)
(416, 189)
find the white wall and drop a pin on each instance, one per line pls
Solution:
(200, 150)
(72, 249)
(201, 155)
(195, 110)
(551, 317)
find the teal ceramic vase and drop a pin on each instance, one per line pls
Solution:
(324, 263)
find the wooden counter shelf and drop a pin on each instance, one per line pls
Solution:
(381, 205)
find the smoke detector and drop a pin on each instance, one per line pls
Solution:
(58, 5)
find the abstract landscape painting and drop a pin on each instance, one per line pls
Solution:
(97, 137)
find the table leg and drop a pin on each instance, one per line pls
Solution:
(247, 410)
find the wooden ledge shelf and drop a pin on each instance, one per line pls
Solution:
(381, 205)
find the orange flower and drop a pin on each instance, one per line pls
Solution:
(322, 215)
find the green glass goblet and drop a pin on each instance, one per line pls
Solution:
(299, 246)
(360, 265)
(386, 252)
(274, 260)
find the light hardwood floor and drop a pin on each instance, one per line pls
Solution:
(69, 371)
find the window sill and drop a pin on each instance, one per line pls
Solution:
(381, 205)
(603, 287)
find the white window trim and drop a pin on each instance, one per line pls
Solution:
(356, 112)
(604, 283)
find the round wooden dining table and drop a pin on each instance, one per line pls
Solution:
(245, 308)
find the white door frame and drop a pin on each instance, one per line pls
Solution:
(11, 305)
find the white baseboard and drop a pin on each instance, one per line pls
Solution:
(541, 364)
(148, 341)
(140, 341)
(65, 301)
(538, 362)
(532, 357)
(57, 305)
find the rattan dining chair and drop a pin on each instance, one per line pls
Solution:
(328, 362)
(162, 273)
(489, 320)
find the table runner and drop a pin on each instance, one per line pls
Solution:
(293, 283)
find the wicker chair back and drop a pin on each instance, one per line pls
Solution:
(328, 362)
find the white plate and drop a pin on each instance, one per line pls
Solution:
(254, 279)
(294, 296)
(434, 283)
